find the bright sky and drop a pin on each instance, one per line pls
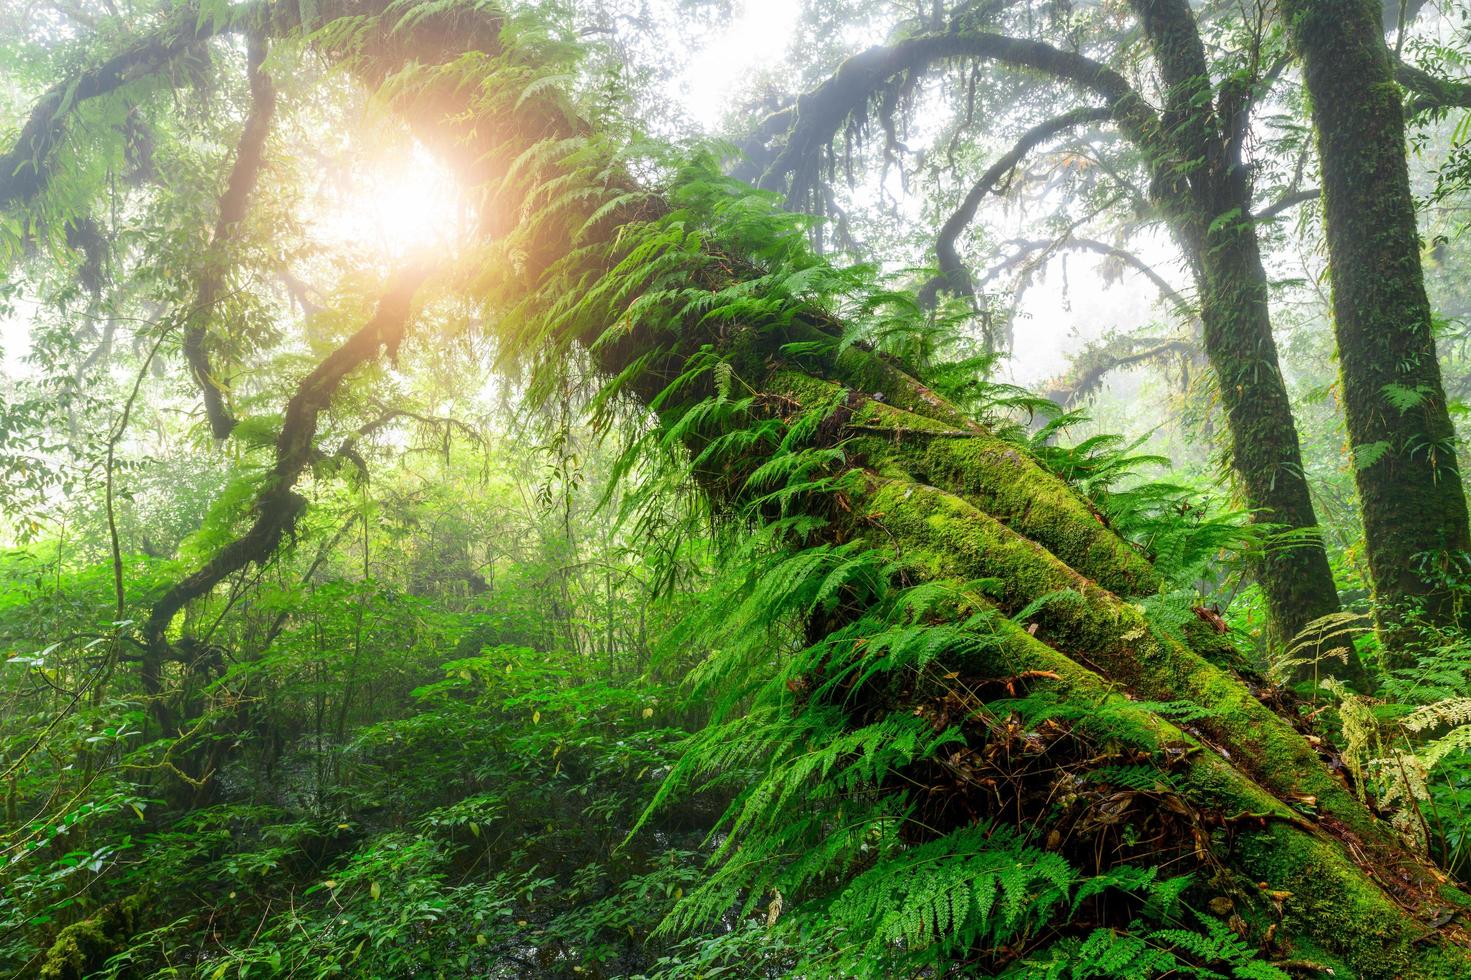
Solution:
(14, 341)
(755, 39)
(393, 208)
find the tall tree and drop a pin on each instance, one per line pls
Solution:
(1410, 488)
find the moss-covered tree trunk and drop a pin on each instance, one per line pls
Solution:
(1410, 490)
(948, 497)
(1237, 334)
(1211, 214)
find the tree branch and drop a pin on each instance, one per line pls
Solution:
(1097, 361)
(1173, 296)
(953, 274)
(1430, 91)
(25, 169)
(821, 112)
(243, 178)
(1288, 201)
(278, 506)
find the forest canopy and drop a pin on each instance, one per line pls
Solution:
(721, 488)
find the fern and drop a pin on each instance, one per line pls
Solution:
(1213, 952)
(981, 884)
(1402, 397)
(1367, 455)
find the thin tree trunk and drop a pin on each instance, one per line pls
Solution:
(1414, 507)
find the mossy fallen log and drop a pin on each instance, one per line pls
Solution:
(1250, 759)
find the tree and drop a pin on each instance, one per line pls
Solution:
(1414, 506)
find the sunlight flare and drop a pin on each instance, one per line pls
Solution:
(394, 207)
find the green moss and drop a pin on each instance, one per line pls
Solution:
(1343, 911)
(945, 537)
(995, 476)
(1345, 918)
(83, 947)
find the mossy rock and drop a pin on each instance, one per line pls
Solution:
(83, 947)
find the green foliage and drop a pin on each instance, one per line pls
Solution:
(1183, 531)
(980, 886)
(823, 834)
(511, 704)
(1215, 952)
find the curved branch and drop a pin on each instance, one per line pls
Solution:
(1171, 295)
(1182, 305)
(348, 449)
(821, 112)
(25, 169)
(953, 274)
(1096, 362)
(243, 178)
(278, 506)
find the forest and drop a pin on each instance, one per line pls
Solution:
(735, 489)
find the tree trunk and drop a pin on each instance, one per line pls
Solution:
(1414, 508)
(1211, 215)
(1293, 571)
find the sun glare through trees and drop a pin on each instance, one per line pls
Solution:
(393, 207)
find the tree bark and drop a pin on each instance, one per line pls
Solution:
(1414, 506)
(1219, 235)
(1237, 334)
